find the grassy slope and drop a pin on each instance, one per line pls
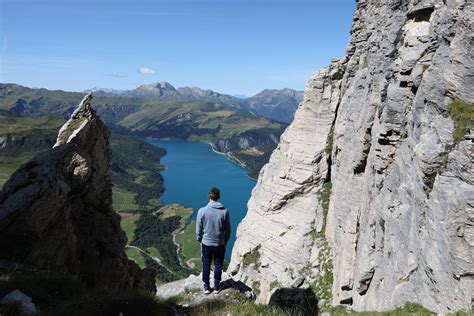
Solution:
(136, 255)
(128, 224)
(123, 200)
(205, 115)
(9, 164)
(190, 248)
(10, 124)
(185, 235)
(28, 137)
(62, 294)
(184, 213)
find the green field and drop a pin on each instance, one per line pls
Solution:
(29, 136)
(14, 125)
(9, 164)
(128, 224)
(123, 200)
(135, 255)
(154, 252)
(190, 248)
(176, 210)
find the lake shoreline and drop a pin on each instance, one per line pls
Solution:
(193, 168)
(227, 155)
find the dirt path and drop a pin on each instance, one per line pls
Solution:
(157, 260)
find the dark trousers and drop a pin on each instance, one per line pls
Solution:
(209, 253)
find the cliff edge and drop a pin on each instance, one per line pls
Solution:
(56, 210)
(369, 197)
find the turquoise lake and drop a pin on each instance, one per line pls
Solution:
(193, 168)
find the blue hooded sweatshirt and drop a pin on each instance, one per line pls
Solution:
(213, 224)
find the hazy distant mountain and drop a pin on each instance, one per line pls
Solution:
(240, 96)
(194, 93)
(105, 91)
(158, 90)
(165, 91)
(279, 105)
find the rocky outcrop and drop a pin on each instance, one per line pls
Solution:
(56, 210)
(276, 104)
(248, 139)
(374, 135)
(279, 237)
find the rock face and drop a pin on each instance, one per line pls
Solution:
(373, 137)
(247, 140)
(56, 210)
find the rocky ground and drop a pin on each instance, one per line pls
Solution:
(192, 289)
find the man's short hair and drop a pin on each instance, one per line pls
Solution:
(214, 194)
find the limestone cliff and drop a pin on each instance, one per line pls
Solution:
(56, 210)
(368, 196)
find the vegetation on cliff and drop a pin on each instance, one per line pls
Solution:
(463, 115)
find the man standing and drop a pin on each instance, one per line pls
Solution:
(213, 232)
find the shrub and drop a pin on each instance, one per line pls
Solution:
(256, 287)
(329, 141)
(274, 284)
(252, 257)
(463, 115)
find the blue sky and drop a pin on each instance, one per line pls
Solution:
(230, 46)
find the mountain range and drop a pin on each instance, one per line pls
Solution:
(161, 111)
(275, 104)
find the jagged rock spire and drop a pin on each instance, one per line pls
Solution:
(56, 210)
(81, 115)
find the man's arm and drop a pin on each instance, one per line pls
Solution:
(199, 226)
(227, 226)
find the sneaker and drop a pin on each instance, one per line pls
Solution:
(207, 291)
(217, 289)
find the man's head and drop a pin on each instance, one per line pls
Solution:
(214, 194)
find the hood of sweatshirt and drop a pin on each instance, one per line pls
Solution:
(216, 205)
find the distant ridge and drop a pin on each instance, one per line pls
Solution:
(276, 104)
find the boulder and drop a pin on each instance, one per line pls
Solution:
(26, 305)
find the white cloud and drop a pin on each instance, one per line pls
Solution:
(146, 71)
